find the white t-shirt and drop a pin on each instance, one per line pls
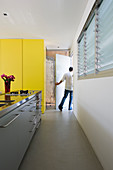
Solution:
(68, 77)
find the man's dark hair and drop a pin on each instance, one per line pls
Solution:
(70, 68)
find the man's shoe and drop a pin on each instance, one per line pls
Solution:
(60, 108)
(70, 108)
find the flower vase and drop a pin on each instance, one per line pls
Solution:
(7, 87)
(7, 97)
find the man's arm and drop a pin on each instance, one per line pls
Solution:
(57, 83)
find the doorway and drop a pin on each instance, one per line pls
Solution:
(51, 77)
(62, 66)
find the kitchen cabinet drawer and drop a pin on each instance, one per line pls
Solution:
(9, 129)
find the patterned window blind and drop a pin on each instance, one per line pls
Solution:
(86, 51)
(90, 47)
(106, 35)
(95, 48)
(81, 57)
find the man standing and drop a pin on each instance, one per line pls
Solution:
(68, 77)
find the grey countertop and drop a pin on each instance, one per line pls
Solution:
(12, 101)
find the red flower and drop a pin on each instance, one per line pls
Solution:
(7, 78)
(3, 76)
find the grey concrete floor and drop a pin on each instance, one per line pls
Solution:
(60, 144)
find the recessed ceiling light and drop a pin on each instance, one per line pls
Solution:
(5, 14)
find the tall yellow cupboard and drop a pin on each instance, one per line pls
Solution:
(1, 86)
(26, 60)
(34, 66)
(11, 61)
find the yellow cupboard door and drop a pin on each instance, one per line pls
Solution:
(11, 61)
(33, 66)
(1, 81)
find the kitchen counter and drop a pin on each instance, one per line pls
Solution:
(8, 101)
(20, 117)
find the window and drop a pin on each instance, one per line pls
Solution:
(106, 35)
(90, 47)
(95, 46)
(81, 57)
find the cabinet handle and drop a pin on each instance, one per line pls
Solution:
(33, 118)
(38, 101)
(23, 109)
(32, 108)
(4, 126)
(38, 125)
(34, 127)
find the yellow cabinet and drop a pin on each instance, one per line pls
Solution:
(11, 61)
(26, 60)
(1, 81)
(34, 66)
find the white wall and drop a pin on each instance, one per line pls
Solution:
(93, 107)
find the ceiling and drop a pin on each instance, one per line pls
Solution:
(55, 21)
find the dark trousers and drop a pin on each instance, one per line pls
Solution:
(66, 92)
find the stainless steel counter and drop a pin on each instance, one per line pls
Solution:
(9, 101)
(19, 119)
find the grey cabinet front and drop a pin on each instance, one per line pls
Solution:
(16, 131)
(9, 128)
